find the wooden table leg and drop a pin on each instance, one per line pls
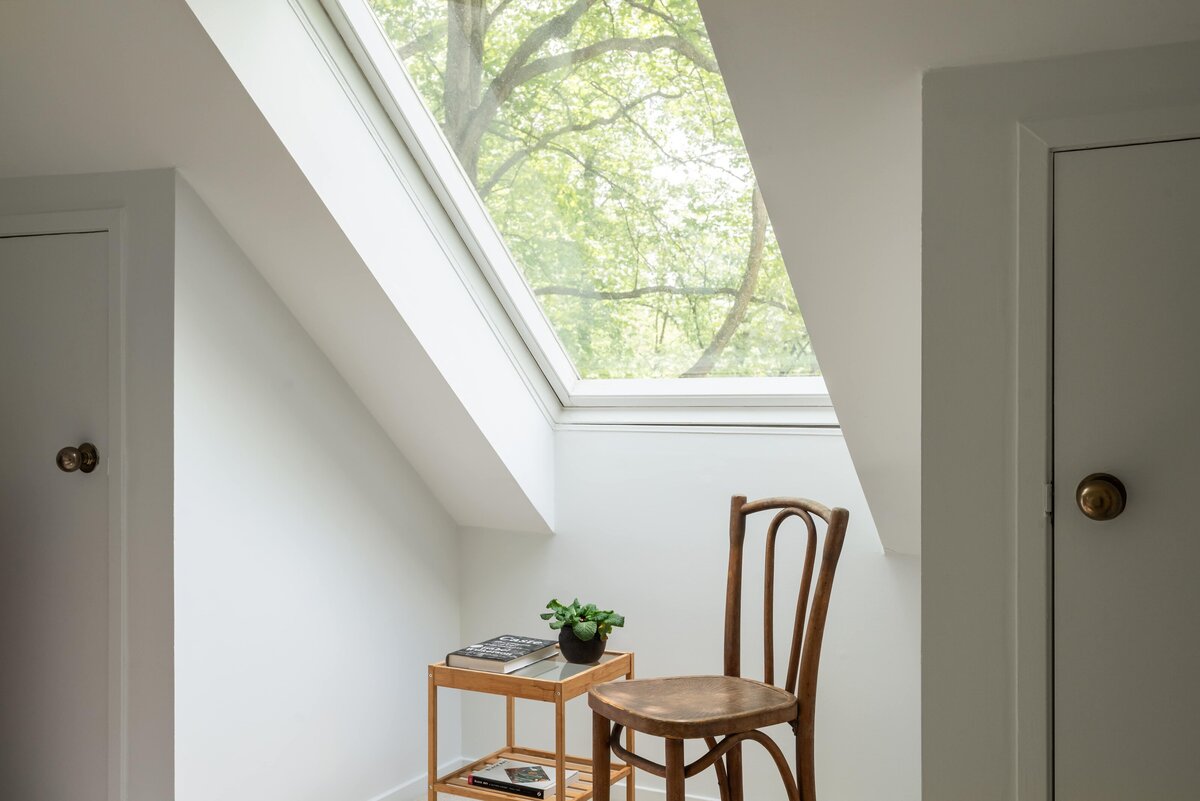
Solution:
(432, 738)
(560, 747)
(510, 726)
(630, 785)
(601, 758)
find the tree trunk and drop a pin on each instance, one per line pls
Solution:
(741, 302)
(467, 23)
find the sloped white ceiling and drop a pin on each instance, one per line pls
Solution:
(828, 96)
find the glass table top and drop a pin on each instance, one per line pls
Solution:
(557, 668)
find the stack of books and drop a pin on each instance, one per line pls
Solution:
(502, 654)
(518, 778)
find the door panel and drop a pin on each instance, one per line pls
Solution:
(1126, 400)
(54, 560)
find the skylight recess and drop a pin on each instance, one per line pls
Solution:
(599, 136)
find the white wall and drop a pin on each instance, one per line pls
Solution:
(315, 573)
(643, 526)
(970, 628)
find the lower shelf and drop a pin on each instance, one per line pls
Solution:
(578, 790)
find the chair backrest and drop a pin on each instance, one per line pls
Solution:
(804, 655)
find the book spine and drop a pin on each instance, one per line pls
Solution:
(516, 789)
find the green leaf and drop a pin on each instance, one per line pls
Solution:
(615, 620)
(584, 630)
(546, 615)
(556, 624)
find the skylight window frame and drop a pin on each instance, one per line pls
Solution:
(799, 400)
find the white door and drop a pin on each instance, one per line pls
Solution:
(54, 559)
(1127, 403)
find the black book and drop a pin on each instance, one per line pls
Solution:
(503, 787)
(502, 654)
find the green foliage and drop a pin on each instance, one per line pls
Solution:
(609, 158)
(586, 621)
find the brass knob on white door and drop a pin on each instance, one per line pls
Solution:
(1100, 496)
(84, 458)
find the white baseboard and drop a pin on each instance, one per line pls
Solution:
(415, 787)
(657, 793)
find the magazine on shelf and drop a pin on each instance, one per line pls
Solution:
(519, 778)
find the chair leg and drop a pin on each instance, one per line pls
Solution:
(733, 761)
(719, 767)
(674, 770)
(601, 757)
(806, 779)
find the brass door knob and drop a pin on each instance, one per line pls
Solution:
(1100, 496)
(84, 458)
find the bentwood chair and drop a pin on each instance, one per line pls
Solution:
(731, 707)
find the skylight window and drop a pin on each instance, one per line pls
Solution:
(600, 139)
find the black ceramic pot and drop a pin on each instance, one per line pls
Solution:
(581, 652)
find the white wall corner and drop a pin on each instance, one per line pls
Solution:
(415, 788)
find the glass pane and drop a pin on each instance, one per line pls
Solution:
(599, 135)
(557, 668)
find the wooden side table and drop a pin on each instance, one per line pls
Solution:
(554, 681)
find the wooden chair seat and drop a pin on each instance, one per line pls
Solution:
(685, 707)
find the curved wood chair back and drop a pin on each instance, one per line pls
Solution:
(672, 714)
(804, 655)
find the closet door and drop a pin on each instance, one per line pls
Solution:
(54, 539)
(1127, 404)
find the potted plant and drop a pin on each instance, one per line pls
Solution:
(582, 629)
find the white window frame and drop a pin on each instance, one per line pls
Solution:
(791, 401)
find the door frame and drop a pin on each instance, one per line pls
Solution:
(1037, 142)
(112, 223)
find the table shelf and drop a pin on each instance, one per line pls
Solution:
(580, 789)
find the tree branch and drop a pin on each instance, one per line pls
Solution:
(422, 42)
(541, 66)
(495, 12)
(647, 8)
(758, 240)
(697, 159)
(628, 294)
(503, 84)
(553, 28)
(547, 138)
(665, 230)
